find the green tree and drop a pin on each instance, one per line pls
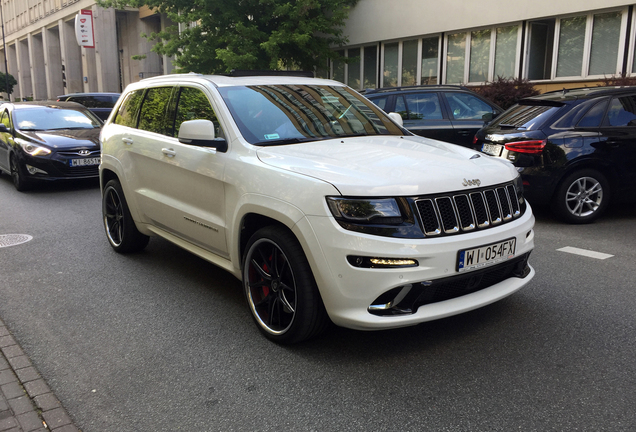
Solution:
(3, 83)
(220, 35)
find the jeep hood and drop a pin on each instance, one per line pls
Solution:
(389, 165)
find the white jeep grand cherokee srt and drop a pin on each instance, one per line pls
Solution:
(318, 201)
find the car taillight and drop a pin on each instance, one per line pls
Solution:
(475, 139)
(532, 147)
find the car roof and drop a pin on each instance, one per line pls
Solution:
(227, 81)
(432, 87)
(580, 93)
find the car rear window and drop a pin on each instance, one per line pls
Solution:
(526, 116)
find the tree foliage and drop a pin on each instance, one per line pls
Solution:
(220, 35)
(3, 83)
(506, 91)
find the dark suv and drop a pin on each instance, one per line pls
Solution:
(442, 112)
(100, 104)
(575, 149)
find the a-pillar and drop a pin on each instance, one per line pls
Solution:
(71, 57)
(53, 62)
(106, 53)
(36, 63)
(24, 69)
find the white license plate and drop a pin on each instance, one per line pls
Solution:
(492, 149)
(471, 259)
(84, 162)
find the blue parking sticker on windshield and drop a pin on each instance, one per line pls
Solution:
(272, 136)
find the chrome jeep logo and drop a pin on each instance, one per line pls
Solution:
(473, 182)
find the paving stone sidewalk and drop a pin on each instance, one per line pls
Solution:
(26, 401)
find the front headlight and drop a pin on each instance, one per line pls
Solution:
(34, 150)
(366, 210)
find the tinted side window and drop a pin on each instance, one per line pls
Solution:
(400, 107)
(622, 112)
(127, 113)
(380, 101)
(5, 119)
(594, 116)
(193, 105)
(424, 106)
(152, 116)
(87, 101)
(465, 106)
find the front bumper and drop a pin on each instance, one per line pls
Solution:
(57, 166)
(348, 292)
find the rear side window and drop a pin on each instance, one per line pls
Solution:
(380, 101)
(529, 117)
(424, 106)
(594, 116)
(127, 113)
(622, 112)
(153, 113)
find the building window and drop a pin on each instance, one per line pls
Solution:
(430, 56)
(455, 58)
(506, 51)
(353, 68)
(576, 47)
(479, 55)
(338, 71)
(370, 67)
(390, 66)
(409, 62)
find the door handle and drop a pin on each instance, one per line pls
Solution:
(169, 152)
(127, 141)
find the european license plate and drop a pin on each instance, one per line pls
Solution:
(471, 259)
(84, 162)
(492, 149)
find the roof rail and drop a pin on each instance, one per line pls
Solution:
(416, 87)
(246, 73)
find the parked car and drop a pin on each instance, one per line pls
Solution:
(48, 141)
(315, 198)
(575, 149)
(101, 104)
(443, 112)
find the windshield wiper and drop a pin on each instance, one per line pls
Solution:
(294, 140)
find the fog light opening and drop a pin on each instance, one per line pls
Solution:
(33, 170)
(388, 303)
(376, 262)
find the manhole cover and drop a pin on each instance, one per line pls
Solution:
(7, 240)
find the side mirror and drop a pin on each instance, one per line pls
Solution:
(201, 133)
(4, 128)
(396, 118)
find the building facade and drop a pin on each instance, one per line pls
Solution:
(43, 55)
(554, 44)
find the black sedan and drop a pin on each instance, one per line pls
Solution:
(48, 141)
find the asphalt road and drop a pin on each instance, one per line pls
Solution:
(162, 340)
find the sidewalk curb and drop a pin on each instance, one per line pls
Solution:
(27, 404)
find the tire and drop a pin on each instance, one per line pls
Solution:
(581, 197)
(121, 231)
(280, 288)
(17, 175)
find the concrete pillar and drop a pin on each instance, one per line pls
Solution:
(168, 61)
(106, 55)
(12, 60)
(24, 69)
(151, 65)
(71, 57)
(89, 68)
(36, 63)
(53, 62)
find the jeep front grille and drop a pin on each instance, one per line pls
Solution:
(463, 212)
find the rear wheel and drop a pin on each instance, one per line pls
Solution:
(280, 288)
(582, 196)
(17, 175)
(120, 227)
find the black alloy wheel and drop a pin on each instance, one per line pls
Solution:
(17, 175)
(582, 197)
(280, 288)
(121, 231)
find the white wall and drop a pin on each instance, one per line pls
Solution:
(383, 20)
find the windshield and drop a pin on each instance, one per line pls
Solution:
(47, 118)
(529, 117)
(283, 114)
